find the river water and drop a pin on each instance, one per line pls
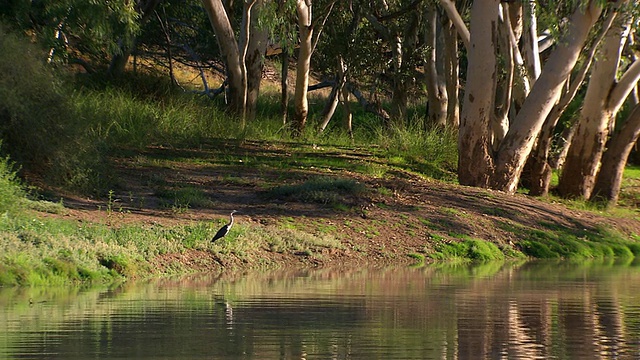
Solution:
(538, 310)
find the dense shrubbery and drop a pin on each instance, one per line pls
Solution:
(39, 125)
(32, 104)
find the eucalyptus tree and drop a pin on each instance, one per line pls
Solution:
(611, 82)
(486, 158)
(441, 65)
(243, 55)
(309, 32)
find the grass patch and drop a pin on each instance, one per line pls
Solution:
(324, 190)
(184, 197)
(557, 242)
(469, 249)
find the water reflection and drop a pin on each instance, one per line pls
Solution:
(515, 311)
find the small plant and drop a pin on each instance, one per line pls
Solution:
(110, 203)
(450, 211)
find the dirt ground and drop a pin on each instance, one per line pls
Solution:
(399, 214)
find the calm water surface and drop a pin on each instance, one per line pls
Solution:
(491, 311)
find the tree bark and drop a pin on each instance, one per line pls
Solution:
(230, 51)
(301, 104)
(284, 86)
(434, 67)
(609, 180)
(585, 152)
(254, 60)
(452, 75)
(539, 164)
(449, 7)
(475, 162)
(524, 130)
(334, 96)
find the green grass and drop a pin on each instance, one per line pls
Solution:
(467, 249)
(556, 242)
(184, 197)
(11, 193)
(324, 190)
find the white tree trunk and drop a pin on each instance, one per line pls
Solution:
(254, 60)
(540, 165)
(301, 103)
(475, 162)
(452, 75)
(585, 152)
(449, 7)
(525, 129)
(434, 67)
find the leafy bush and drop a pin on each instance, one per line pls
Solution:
(42, 130)
(32, 103)
(11, 193)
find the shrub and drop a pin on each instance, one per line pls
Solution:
(11, 192)
(32, 103)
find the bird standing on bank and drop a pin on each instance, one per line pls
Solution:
(225, 229)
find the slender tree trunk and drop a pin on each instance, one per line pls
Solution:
(331, 105)
(434, 67)
(119, 60)
(452, 74)
(334, 97)
(303, 9)
(284, 86)
(449, 7)
(539, 164)
(531, 52)
(348, 116)
(505, 83)
(254, 60)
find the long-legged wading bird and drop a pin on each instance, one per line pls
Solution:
(225, 229)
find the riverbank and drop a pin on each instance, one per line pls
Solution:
(299, 206)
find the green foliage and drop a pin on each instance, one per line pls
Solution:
(469, 249)
(32, 103)
(11, 192)
(97, 28)
(558, 243)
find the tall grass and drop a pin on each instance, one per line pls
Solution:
(431, 151)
